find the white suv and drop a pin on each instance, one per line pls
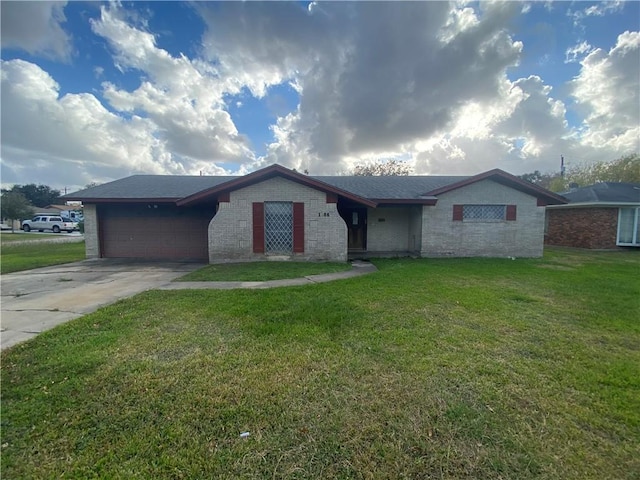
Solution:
(48, 222)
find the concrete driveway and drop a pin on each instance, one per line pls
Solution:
(37, 300)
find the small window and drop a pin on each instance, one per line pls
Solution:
(628, 227)
(484, 213)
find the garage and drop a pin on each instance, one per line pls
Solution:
(154, 231)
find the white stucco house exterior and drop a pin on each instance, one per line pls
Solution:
(280, 214)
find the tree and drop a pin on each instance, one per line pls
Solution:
(38, 195)
(623, 169)
(543, 180)
(15, 206)
(381, 167)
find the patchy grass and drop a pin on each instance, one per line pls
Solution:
(452, 368)
(15, 258)
(261, 271)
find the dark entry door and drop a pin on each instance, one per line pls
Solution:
(356, 220)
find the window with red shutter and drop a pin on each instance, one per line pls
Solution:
(511, 213)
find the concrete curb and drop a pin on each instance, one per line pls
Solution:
(358, 268)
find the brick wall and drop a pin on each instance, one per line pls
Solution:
(91, 242)
(582, 227)
(230, 231)
(524, 237)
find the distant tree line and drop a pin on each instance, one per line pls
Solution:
(624, 169)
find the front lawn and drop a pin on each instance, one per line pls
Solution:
(15, 258)
(18, 236)
(261, 271)
(452, 368)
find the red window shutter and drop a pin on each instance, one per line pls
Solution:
(298, 227)
(511, 213)
(258, 227)
(457, 213)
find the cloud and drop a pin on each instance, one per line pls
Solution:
(372, 77)
(36, 27)
(183, 98)
(421, 81)
(606, 92)
(575, 53)
(73, 138)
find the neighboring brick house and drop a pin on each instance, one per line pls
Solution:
(277, 213)
(600, 216)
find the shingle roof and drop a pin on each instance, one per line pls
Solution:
(186, 190)
(605, 192)
(150, 186)
(174, 186)
(389, 187)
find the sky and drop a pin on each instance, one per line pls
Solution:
(93, 92)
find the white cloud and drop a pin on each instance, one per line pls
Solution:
(606, 92)
(423, 81)
(182, 97)
(73, 138)
(577, 52)
(603, 8)
(35, 27)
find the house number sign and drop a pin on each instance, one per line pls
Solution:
(324, 214)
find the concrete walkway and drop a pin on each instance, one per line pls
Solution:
(357, 268)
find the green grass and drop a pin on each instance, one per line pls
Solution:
(452, 368)
(15, 258)
(6, 238)
(261, 271)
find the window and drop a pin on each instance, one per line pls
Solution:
(628, 227)
(484, 213)
(278, 227)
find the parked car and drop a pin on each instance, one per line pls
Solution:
(54, 223)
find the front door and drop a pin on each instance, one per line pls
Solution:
(356, 220)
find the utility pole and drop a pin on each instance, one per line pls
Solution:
(562, 166)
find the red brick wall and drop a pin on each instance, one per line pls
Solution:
(582, 227)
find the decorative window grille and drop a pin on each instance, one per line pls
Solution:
(278, 227)
(484, 213)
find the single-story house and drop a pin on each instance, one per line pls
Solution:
(277, 213)
(600, 216)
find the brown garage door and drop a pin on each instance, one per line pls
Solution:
(167, 238)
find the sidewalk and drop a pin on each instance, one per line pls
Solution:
(358, 268)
